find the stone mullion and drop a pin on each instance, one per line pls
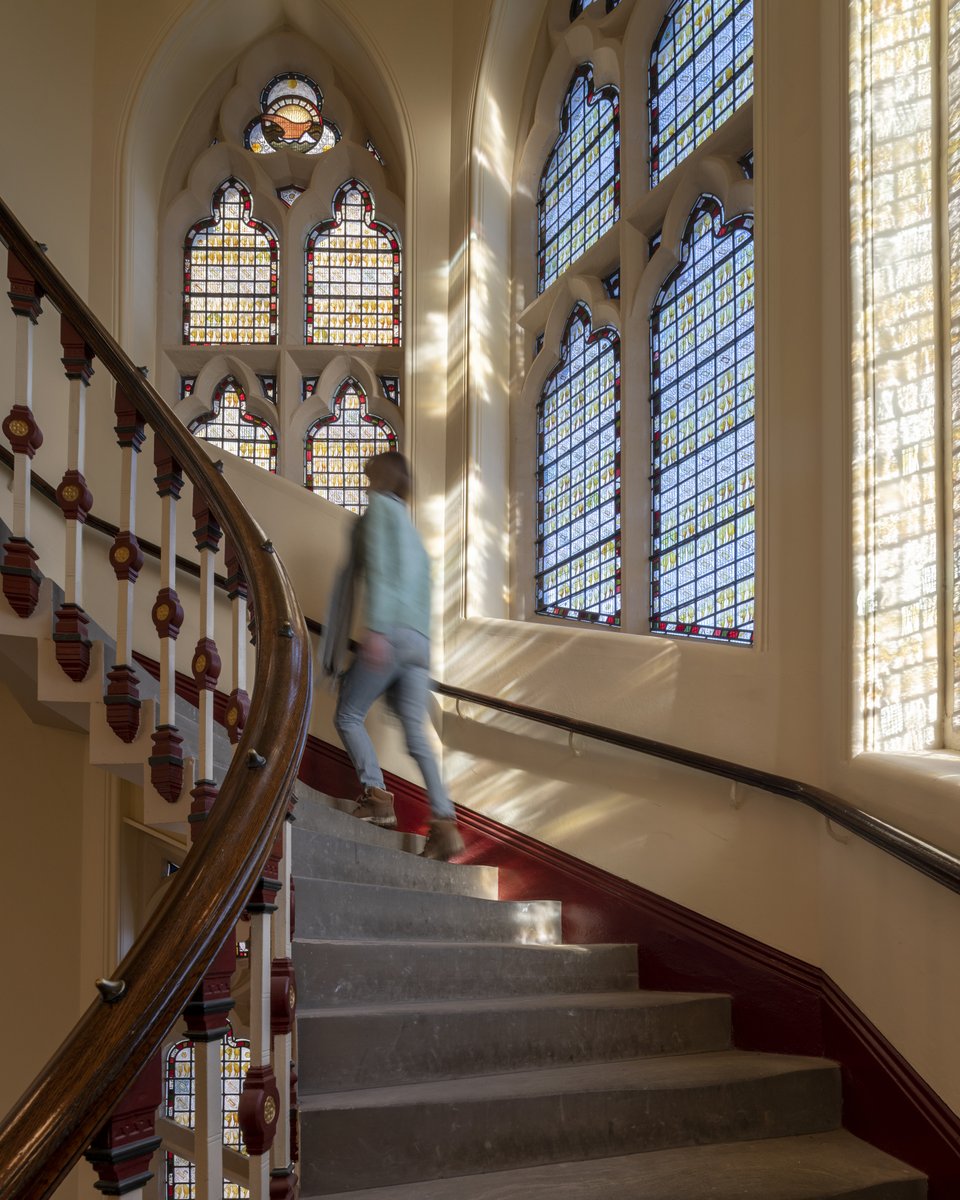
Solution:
(72, 646)
(166, 761)
(238, 703)
(21, 579)
(206, 658)
(123, 693)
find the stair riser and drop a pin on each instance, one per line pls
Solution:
(339, 1051)
(315, 816)
(344, 911)
(355, 1148)
(340, 974)
(322, 856)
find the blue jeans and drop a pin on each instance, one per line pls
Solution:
(406, 682)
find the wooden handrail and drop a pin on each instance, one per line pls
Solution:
(931, 861)
(54, 1121)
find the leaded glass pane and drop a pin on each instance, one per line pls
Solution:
(290, 119)
(237, 431)
(579, 6)
(579, 196)
(230, 274)
(701, 70)
(353, 275)
(702, 334)
(179, 1102)
(578, 478)
(336, 448)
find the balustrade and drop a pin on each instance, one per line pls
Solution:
(99, 1095)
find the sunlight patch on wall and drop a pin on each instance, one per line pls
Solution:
(894, 375)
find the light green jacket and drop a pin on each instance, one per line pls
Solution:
(396, 569)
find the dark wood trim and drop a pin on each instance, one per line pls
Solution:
(780, 1003)
(57, 1117)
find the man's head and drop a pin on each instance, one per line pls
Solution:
(389, 472)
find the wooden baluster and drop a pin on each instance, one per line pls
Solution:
(238, 702)
(21, 579)
(121, 1152)
(123, 693)
(283, 1007)
(207, 1025)
(166, 762)
(259, 1108)
(206, 658)
(72, 646)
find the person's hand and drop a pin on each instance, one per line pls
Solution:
(375, 651)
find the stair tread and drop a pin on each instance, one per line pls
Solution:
(569, 948)
(816, 1166)
(508, 1004)
(672, 1071)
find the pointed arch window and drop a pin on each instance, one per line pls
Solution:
(180, 1106)
(336, 448)
(230, 273)
(701, 70)
(702, 412)
(353, 290)
(235, 430)
(578, 477)
(579, 194)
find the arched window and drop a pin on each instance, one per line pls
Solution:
(579, 194)
(336, 447)
(230, 273)
(702, 411)
(578, 477)
(179, 1106)
(701, 70)
(237, 431)
(353, 275)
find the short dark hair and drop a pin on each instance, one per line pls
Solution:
(389, 472)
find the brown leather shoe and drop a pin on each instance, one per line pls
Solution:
(376, 806)
(443, 841)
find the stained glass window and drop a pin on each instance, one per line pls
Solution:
(269, 385)
(230, 273)
(578, 477)
(579, 6)
(611, 284)
(353, 275)
(746, 164)
(369, 144)
(289, 195)
(187, 384)
(336, 448)
(179, 1106)
(391, 387)
(579, 195)
(701, 70)
(235, 430)
(308, 385)
(290, 118)
(702, 408)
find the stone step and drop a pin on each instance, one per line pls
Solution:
(327, 856)
(349, 973)
(322, 814)
(356, 911)
(821, 1166)
(378, 1046)
(379, 1136)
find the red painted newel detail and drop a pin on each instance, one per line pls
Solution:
(21, 579)
(126, 557)
(169, 476)
(121, 1152)
(284, 1184)
(167, 614)
(130, 425)
(294, 1114)
(207, 530)
(166, 762)
(235, 714)
(74, 497)
(206, 1013)
(206, 664)
(77, 356)
(283, 996)
(25, 293)
(204, 795)
(259, 1109)
(123, 702)
(236, 580)
(71, 644)
(21, 430)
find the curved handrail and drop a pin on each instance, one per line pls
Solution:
(931, 861)
(50, 1126)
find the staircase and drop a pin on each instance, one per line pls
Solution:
(451, 1048)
